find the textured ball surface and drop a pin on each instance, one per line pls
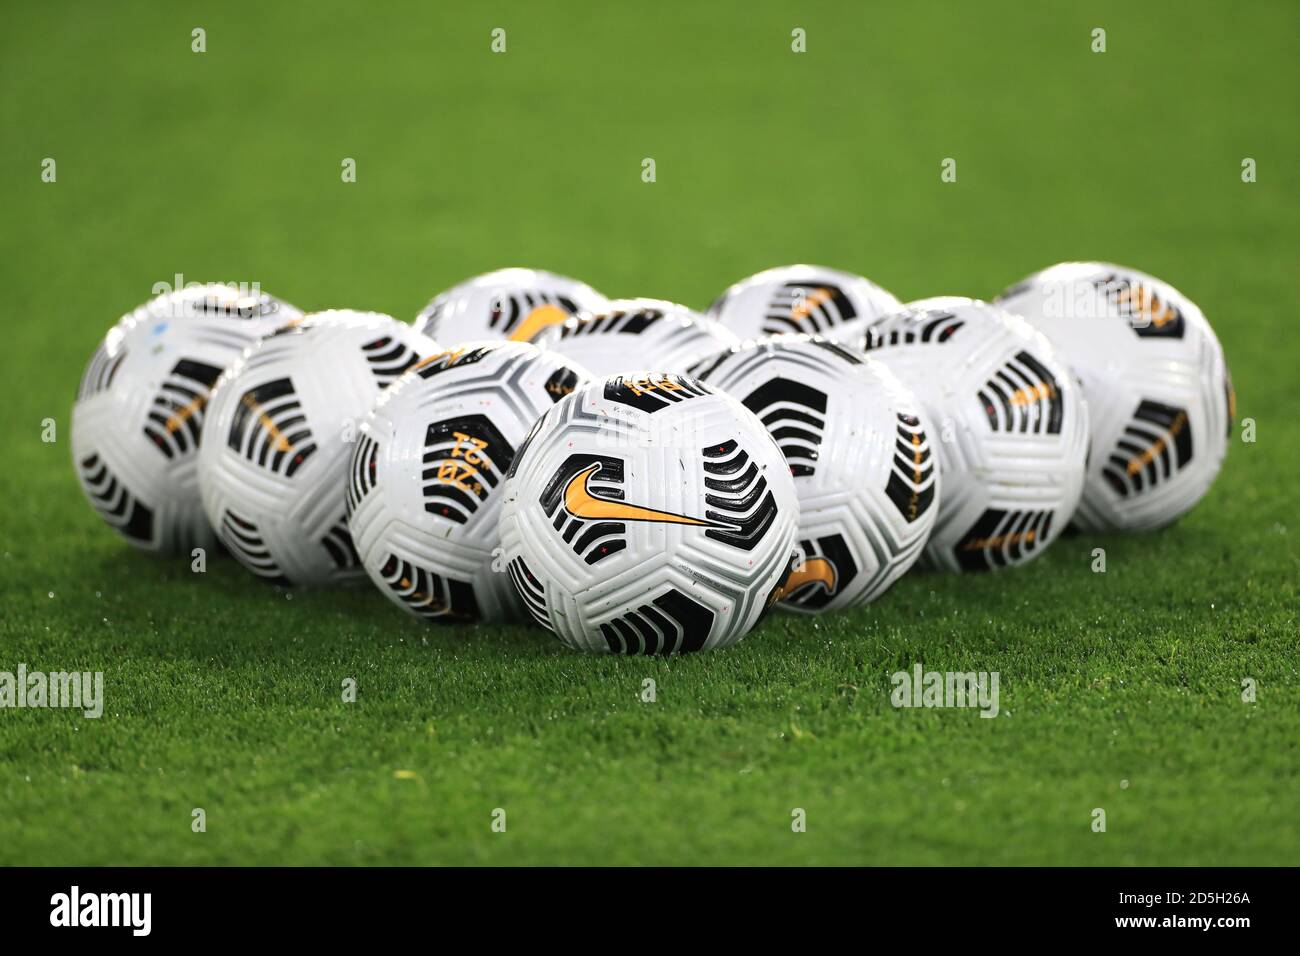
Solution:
(139, 411)
(1012, 424)
(424, 487)
(1159, 394)
(860, 449)
(634, 334)
(802, 299)
(506, 305)
(281, 429)
(648, 514)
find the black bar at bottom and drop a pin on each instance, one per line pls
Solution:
(333, 905)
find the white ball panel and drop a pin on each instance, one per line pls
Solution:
(1011, 421)
(505, 305)
(137, 421)
(1156, 381)
(440, 441)
(630, 334)
(618, 517)
(280, 434)
(802, 299)
(865, 507)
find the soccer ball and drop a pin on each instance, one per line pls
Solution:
(1013, 427)
(505, 305)
(1158, 389)
(423, 497)
(138, 414)
(637, 333)
(859, 448)
(648, 514)
(279, 435)
(790, 299)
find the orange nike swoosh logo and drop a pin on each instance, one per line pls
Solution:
(1149, 305)
(536, 320)
(581, 503)
(1140, 460)
(263, 419)
(1035, 393)
(804, 309)
(814, 571)
(183, 414)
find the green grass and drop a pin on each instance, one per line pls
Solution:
(1119, 690)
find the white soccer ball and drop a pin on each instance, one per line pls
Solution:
(424, 483)
(803, 298)
(1159, 394)
(280, 432)
(860, 449)
(648, 513)
(505, 305)
(633, 334)
(140, 408)
(1012, 427)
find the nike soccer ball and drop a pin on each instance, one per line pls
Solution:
(280, 432)
(508, 304)
(648, 514)
(138, 414)
(1012, 423)
(1159, 394)
(802, 298)
(637, 333)
(859, 448)
(423, 489)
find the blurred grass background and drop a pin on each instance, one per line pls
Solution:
(1119, 691)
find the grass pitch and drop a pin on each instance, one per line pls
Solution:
(1119, 690)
